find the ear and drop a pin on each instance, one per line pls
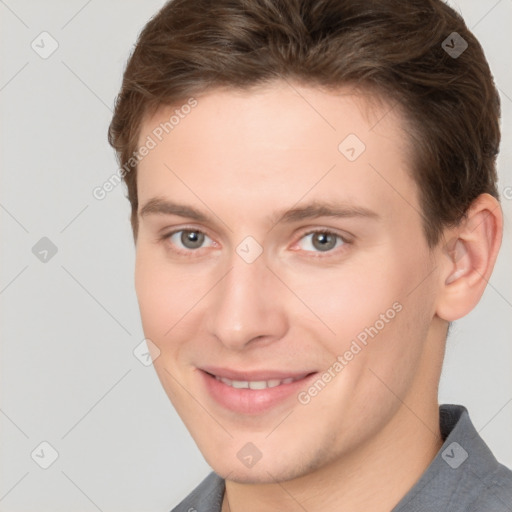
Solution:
(467, 256)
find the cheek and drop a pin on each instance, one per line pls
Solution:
(151, 295)
(366, 309)
(351, 298)
(158, 294)
(168, 295)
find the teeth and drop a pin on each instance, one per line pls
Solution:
(239, 384)
(257, 384)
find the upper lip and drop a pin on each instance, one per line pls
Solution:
(254, 375)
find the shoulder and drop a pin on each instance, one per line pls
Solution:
(495, 490)
(464, 475)
(487, 481)
(206, 497)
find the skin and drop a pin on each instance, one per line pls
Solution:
(239, 157)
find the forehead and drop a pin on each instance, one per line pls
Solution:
(280, 142)
(280, 108)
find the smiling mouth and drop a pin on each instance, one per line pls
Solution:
(253, 392)
(257, 384)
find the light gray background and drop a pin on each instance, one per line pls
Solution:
(69, 326)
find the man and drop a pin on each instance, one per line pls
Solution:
(313, 192)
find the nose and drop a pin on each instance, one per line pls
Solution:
(247, 305)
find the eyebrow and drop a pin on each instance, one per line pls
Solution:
(311, 210)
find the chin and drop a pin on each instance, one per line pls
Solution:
(262, 472)
(253, 476)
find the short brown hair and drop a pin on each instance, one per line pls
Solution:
(392, 47)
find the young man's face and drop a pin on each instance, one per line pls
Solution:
(349, 311)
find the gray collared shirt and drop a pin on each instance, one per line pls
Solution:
(463, 477)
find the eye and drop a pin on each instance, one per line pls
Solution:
(187, 240)
(321, 241)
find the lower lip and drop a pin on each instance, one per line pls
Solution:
(252, 401)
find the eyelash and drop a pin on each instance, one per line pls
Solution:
(315, 254)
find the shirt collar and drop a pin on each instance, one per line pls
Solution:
(463, 458)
